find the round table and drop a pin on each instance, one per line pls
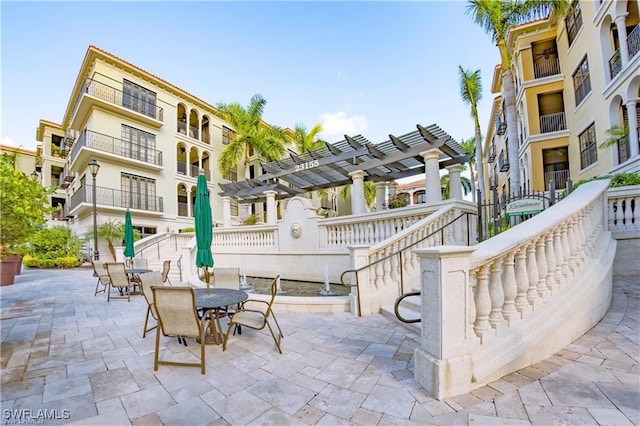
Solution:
(213, 299)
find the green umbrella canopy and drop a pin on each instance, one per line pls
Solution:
(128, 235)
(203, 224)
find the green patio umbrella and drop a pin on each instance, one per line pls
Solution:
(128, 236)
(203, 225)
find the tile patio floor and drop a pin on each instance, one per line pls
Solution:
(64, 349)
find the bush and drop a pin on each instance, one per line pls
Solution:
(53, 243)
(399, 200)
(250, 220)
(617, 180)
(59, 262)
(183, 230)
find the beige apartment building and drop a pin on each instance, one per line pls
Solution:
(575, 78)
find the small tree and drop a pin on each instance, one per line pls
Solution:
(23, 204)
(113, 232)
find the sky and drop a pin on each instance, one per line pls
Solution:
(369, 68)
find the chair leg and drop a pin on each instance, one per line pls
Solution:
(226, 337)
(146, 321)
(109, 292)
(275, 339)
(155, 357)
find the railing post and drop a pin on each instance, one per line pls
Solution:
(360, 296)
(443, 360)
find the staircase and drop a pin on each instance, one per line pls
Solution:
(410, 308)
(160, 247)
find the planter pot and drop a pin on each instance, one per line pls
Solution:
(16, 259)
(7, 271)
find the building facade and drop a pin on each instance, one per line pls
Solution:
(577, 86)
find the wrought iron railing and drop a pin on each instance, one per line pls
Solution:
(624, 149)
(117, 97)
(560, 178)
(633, 42)
(503, 162)
(116, 198)
(615, 64)
(491, 155)
(546, 68)
(552, 122)
(126, 149)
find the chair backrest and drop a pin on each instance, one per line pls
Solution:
(149, 280)
(166, 267)
(226, 278)
(274, 291)
(176, 310)
(140, 263)
(99, 268)
(117, 274)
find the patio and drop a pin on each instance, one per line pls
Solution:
(84, 360)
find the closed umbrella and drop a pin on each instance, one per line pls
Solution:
(203, 225)
(128, 236)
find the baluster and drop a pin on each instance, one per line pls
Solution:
(395, 275)
(496, 294)
(386, 267)
(482, 300)
(509, 288)
(521, 282)
(571, 234)
(557, 247)
(635, 217)
(532, 275)
(566, 250)
(471, 316)
(581, 241)
(541, 260)
(612, 214)
(552, 284)
(379, 272)
(621, 207)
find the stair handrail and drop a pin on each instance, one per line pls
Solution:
(397, 305)
(397, 252)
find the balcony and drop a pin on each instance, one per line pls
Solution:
(96, 94)
(116, 198)
(493, 182)
(124, 149)
(501, 126)
(624, 149)
(503, 162)
(560, 178)
(615, 64)
(491, 155)
(633, 42)
(546, 68)
(552, 122)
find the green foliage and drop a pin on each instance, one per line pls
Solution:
(23, 204)
(397, 201)
(250, 220)
(191, 229)
(307, 141)
(59, 262)
(614, 134)
(52, 243)
(112, 232)
(618, 179)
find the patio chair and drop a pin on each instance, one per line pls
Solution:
(178, 317)
(257, 319)
(166, 267)
(226, 278)
(118, 279)
(103, 276)
(147, 281)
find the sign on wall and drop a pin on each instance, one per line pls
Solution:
(525, 206)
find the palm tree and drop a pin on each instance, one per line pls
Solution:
(113, 231)
(446, 186)
(496, 17)
(614, 135)
(469, 147)
(307, 141)
(252, 133)
(471, 93)
(369, 192)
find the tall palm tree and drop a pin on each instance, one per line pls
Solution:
(496, 17)
(471, 93)
(268, 141)
(445, 184)
(469, 147)
(307, 141)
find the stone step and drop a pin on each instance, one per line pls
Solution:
(407, 311)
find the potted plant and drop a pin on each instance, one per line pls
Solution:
(23, 206)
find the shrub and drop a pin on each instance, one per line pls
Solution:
(183, 230)
(67, 262)
(397, 201)
(250, 220)
(617, 180)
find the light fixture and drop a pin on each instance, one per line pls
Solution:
(34, 175)
(93, 168)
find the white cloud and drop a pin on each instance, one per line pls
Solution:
(336, 125)
(8, 142)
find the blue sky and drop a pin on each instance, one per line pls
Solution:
(369, 68)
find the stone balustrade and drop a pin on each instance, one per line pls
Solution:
(254, 237)
(517, 298)
(624, 211)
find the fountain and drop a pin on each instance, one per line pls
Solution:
(326, 291)
(243, 279)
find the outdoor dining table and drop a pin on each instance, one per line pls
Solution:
(213, 300)
(133, 274)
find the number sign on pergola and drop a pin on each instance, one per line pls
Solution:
(329, 166)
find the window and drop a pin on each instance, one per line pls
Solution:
(138, 192)
(139, 99)
(588, 148)
(232, 175)
(582, 81)
(227, 135)
(234, 206)
(573, 21)
(138, 144)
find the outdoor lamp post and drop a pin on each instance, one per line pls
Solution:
(93, 168)
(34, 176)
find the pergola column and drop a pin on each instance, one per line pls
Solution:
(634, 137)
(357, 192)
(433, 194)
(455, 183)
(393, 188)
(226, 211)
(380, 192)
(271, 207)
(622, 38)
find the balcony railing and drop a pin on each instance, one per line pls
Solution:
(206, 138)
(182, 127)
(491, 155)
(559, 177)
(546, 68)
(117, 97)
(183, 209)
(633, 42)
(193, 132)
(615, 64)
(116, 198)
(624, 149)
(182, 167)
(503, 162)
(126, 149)
(501, 126)
(552, 122)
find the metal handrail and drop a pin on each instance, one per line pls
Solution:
(397, 304)
(398, 252)
(156, 245)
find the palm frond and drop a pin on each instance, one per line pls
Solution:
(231, 155)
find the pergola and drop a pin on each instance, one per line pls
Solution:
(425, 150)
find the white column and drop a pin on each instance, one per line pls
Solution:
(357, 192)
(271, 207)
(393, 188)
(226, 211)
(432, 175)
(634, 137)
(622, 38)
(380, 193)
(455, 183)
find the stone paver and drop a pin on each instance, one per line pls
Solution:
(65, 349)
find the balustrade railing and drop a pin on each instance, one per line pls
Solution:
(546, 68)
(116, 146)
(117, 97)
(560, 178)
(552, 122)
(633, 42)
(182, 127)
(116, 198)
(623, 208)
(256, 237)
(624, 149)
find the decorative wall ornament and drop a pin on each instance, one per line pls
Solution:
(296, 230)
